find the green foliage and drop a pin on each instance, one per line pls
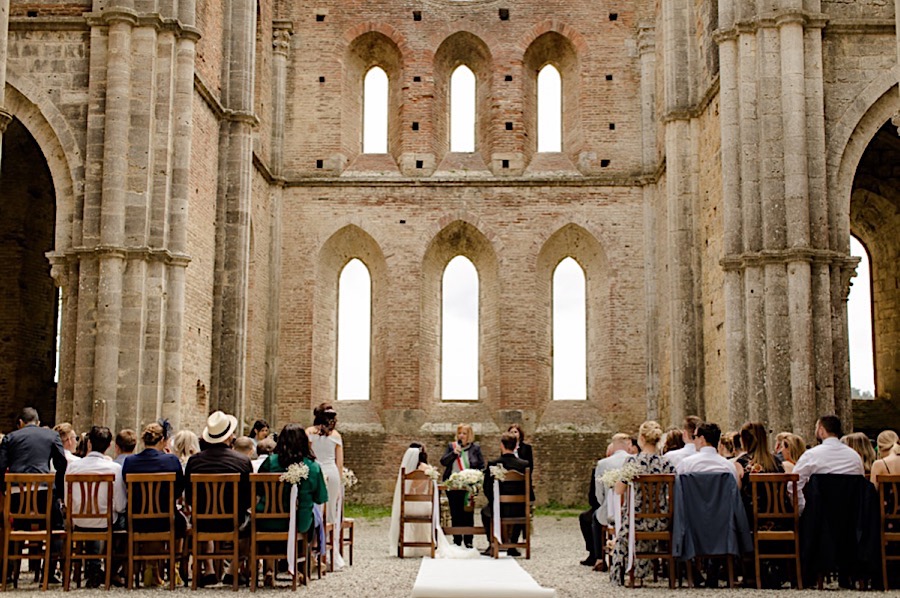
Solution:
(555, 509)
(358, 511)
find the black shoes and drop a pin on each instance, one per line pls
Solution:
(589, 562)
(207, 580)
(512, 552)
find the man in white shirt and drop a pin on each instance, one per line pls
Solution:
(831, 456)
(707, 458)
(96, 462)
(691, 423)
(619, 451)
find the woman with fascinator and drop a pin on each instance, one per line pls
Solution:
(414, 459)
(328, 449)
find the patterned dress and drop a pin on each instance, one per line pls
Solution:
(648, 463)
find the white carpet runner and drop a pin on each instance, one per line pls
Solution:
(484, 578)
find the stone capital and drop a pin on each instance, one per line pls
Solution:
(5, 118)
(281, 41)
(848, 272)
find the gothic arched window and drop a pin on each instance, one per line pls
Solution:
(462, 110)
(459, 331)
(859, 325)
(569, 331)
(375, 111)
(549, 110)
(354, 332)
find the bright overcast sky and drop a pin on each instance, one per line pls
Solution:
(859, 323)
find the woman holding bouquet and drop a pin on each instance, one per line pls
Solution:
(462, 454)
(645, 462)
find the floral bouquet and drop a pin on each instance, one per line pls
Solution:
(625, 474)
(432, 472)
(296, 473)
(349, 479)
(470, 480)
(499, 472)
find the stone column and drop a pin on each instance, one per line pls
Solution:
(5, 117)
(281, 45)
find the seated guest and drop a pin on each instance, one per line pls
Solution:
(831, 456)
(465, 453)
(244, 445)
(706, 459)
(586, 517)
(673, 440)
(792, 448)
(264, 448)
(860, 443)
(509, 461)
(756, 459)
(726, 445)
(889, 451)
(779, 445)
(523, 450)
(647, 462)
(618, 453)
(259, 431)
(691, 423)
(739, 448)
(95, 462)
(185, 445)
(126, 442)
(69, 440)
(218, 457)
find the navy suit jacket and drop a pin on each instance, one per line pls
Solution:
(30, 450)
(154, 461)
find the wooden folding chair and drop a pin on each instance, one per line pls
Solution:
(889, 499)
(657, 503)
(272, 509)
(28, 504)
(420, 480)
(507, 523)
(347, 542)
(215, 518)
(776, 518)
(151, 518)
(81, 523)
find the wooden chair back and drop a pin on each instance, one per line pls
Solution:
(151, 518)
(28, 503)
(776, 518)
(657, 492)
(416, 487)
(215, 518)
(507, 523)
(272, 509)
(889, 499)
(95, 506)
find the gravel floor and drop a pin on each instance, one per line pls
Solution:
(556, 549)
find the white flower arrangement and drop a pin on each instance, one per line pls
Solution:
(432, 472)
(470, 480)
(625, 474)
(296, 473)
(349, 479)
(499, 472)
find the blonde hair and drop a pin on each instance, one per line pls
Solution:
(184, 444)
(64, 430)
(795, 445)
(860, 443)
(152, 435)
(470, 433)
(888, 443)
(650, 431)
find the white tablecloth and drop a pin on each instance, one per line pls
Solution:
(484, 578)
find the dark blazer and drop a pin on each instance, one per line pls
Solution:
(709, 517)
(218, 458)
(30, 450)
(511, 463)
(473, 452)
(526, 454)
(154, 461)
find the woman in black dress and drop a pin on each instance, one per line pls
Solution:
(462, 454)
(523, 450)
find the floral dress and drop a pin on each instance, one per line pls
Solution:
(648, 463)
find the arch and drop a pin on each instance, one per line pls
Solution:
(370, 49)
(549, 109)
(463, 90)
(569, 331)
(576, 242)
(354, 332)
(376, 111)
(463, 48)
(861, 332)
(459, 330)
(460, 238)
(344, 245)
(553, 48)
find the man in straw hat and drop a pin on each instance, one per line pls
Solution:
(218, 457)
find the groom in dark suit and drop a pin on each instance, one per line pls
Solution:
(510, 462)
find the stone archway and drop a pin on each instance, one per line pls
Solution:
(28, 296)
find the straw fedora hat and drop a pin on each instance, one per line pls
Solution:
(219, 427)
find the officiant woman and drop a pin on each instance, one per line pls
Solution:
(464, 453)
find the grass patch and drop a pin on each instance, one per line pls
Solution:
(554, 509)
(358, 511)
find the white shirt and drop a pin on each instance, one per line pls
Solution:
(614, 461)
(706, 460)
(257, 462)
(832, 456)
(678, 455)
(96, 463)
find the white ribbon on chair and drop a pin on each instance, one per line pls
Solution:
(495, 525)
(630, 527)
(435, 511)
(292, 532)
(614, 509)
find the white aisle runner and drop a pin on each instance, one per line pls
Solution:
(484, 578)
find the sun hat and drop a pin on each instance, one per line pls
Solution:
(219, 427)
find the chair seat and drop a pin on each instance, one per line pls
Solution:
(653, 535)
(416, 519)
(776, 536)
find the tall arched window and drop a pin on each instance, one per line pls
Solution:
(569, 332)
(462, 110)
(459, 331)
(354, 332)
(859, 325)
(375, 111)
(549, 110)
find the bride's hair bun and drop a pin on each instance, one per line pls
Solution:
(651, 431)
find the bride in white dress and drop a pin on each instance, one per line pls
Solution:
(417, 532)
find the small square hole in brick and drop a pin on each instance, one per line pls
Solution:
(504, 14)
(509, 126)
(507, 78)
(415, 126)
(417, 15)
(609, 77)
(417, 79)
(420, 164)
(613, 16)
(321, 79)
(505, 163)
(32, 13)
(320, 163)
(403, 222)
(612, 126)
(320, 18)
(604, 163)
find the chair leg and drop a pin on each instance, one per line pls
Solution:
(730, 560)
(67, 582)
(689, 565)
(799, 573)
(671, 572)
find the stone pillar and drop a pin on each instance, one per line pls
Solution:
(5, 117)
(233, 210)
(281, 45)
